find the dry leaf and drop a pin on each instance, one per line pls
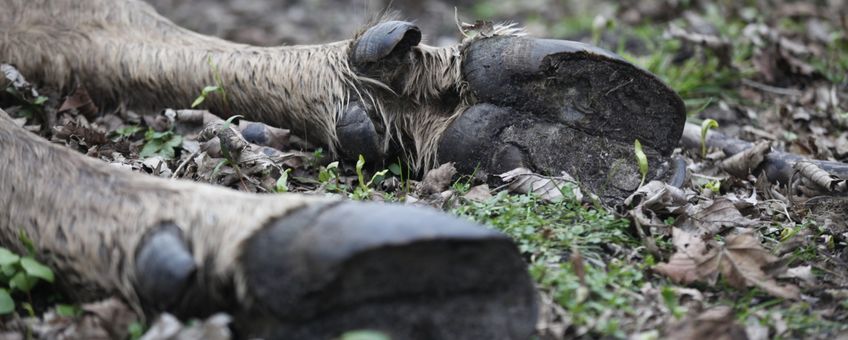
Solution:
(740, 261)
(436, 180)
(743, 163)
(803, 273)
(107, 319)
(821, 177)
(656, 196)
(524, 181)
(167, 327)
(479, 193)
(719, 215)
(683, 266)
(80, 102)
(715, 324)
(12, 77)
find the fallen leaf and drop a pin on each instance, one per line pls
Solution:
(820, 177)
(80, 103)
(480, 193)
(525, 181)
(436, 180)
(803, 273)
(657, 195)
(717, 323)
(719, 215)
(740, 261)
(16, 80)
(167, 327)
(107, 319)
(742, 164)
(683, 266)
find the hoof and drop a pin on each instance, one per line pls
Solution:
(164, 268)
(495, 140)
(357, 135)
(581, 86)
(409, 272)
(385, 44)
(554, 106)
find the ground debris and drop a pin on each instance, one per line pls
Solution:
(716, 323)
(436, 180)
(167, 327)
(524, 181)
(740, 260)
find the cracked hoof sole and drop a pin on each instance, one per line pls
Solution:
(553, 106)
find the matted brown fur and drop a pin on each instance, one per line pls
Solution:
(124, 52)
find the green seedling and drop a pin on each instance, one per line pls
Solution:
(642, 160)
(163, 144)
(363, 190)
(706, 125)
(282, 182)
(209, 90)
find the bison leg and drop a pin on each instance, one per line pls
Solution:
(553, 106)
(286, 266)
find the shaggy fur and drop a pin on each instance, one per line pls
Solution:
(117, 208)
(123, 52)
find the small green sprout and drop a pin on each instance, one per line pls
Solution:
(705, 127)
(208, 90)
(714, 186)
(364, 335)
(364, 188)
(282, 182)
(205, 93)
(160, 143)
(642, 160)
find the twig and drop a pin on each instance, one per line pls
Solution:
(183, 164)
(771, 89)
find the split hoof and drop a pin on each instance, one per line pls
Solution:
(563, 106)
(409, 272)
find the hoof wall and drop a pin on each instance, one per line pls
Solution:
(409, 272)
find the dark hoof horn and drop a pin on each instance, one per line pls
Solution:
(410, 272)
(164, 267)
(383, 39)
(581, 86)
(357, 135)
(472, 141)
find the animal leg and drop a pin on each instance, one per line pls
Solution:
(286, 266)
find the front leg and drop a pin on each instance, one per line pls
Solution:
(286, 266)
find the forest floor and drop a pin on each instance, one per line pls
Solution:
(730, 255)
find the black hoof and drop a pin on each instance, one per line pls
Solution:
(357, 135)
(383, 44)
(409, 272)
(495, 140)
(164, 268)
(580, 86)
(473, 140)
(553, 106)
